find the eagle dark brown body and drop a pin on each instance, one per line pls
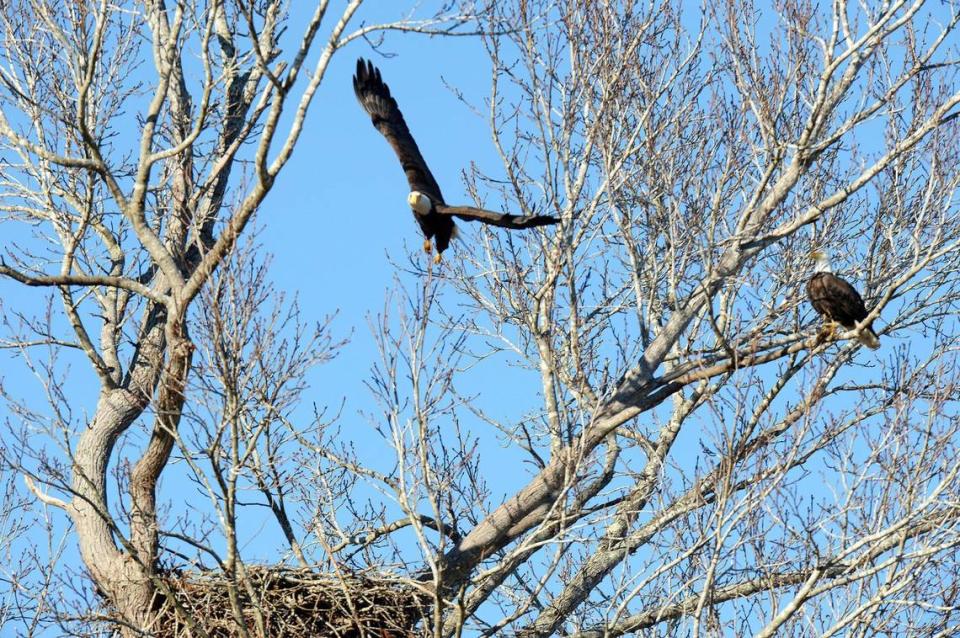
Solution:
(838, 301)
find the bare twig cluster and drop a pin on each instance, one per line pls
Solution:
(629, 422)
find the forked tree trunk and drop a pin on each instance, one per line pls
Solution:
(117, 574)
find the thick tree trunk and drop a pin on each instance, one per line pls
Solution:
(115, 572)
(146, 473)
(122, 568)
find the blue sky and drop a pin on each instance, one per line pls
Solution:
(344, 178)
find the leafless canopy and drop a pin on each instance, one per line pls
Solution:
(138, 139)
(685, 455)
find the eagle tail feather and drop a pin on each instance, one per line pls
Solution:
(868, 337)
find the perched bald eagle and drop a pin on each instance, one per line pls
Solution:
(429, 209)
(838, 301)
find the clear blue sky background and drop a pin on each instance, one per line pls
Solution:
(343, 177)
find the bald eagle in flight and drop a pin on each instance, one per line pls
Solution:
(838, 301)
(429, 209)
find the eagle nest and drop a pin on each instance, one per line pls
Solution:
(290, 603)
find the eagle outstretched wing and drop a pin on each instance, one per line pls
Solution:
(374, 95)
(504, 220)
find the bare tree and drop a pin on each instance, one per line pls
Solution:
(704, 459)
(139, 139)
(705, 462)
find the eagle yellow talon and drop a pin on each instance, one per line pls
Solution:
(427, 246)
(437, 259)
(826, 331)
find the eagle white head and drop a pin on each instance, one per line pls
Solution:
(821, 261)
(419, 202)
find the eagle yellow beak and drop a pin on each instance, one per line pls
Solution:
(817, 254)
